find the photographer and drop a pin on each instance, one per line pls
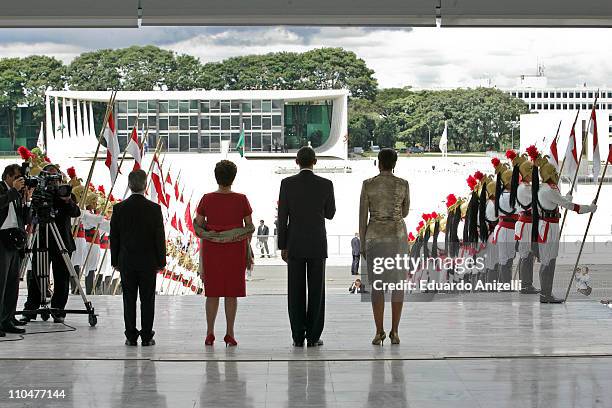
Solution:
(64, 208)
(13, 217)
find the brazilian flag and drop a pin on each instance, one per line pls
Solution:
(240, 144)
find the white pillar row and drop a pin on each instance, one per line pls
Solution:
(79, 120)
(64, 119)
(48, 117)
(73, 132)
(57, 122)
(85, 121)
(92, 127)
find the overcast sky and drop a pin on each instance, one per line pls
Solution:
(419, 57)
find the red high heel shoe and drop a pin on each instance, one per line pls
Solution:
(230, 341)
(210, 339)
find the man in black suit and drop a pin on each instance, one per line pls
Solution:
(305, 201)
(262, 238)
(12, 223)
(66, 209)
(138, 251)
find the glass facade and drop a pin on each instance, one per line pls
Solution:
(201, 125)
(20, 126)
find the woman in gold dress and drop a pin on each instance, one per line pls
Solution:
(385, 200)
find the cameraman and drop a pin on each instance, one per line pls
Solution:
(65, 209)
(13, 218)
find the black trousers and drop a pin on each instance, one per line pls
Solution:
(61, 283)
(264, 246)
(355, 265)
(306, 280)
(9, 283)
(133, 283)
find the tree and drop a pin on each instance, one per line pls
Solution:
(385, 133)
(11, 91)
(95, 71)
(40, 72)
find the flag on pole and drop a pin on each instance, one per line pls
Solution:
(596, 157)
(168, 179)
(133, 148)
(41, 139)
(240, 144)
(571, 154)
(554, 155)
(176, 189)
(188, 219)
(443, 145)
(173, 222)
(112, 148)
(157, 192)
(180, 226)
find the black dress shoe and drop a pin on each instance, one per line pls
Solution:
(131, 342)
(2, 334)
(58, 319)
(315, 343)
(530, 290)
(18, 322)
(550, 299)
(9, 328)
(298, 343)
(147, 343)
(28, 317)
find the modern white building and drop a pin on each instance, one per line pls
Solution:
(274, 122)
(551, 106)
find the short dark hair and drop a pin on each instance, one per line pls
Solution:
(225, 173)
(387, 158)
(10, 170)
(306, 156)
(137, 181)
(261, 220)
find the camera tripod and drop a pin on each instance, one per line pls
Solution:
(38, 249)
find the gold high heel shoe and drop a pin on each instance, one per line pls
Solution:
(394, 338)
(379, 338)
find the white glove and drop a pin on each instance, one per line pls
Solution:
(569, 197)
(587, 209)
(593, 207)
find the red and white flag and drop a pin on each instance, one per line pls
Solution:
(173, 222)
(596, 157)
(157, 192)
(176, 190)
(180, 226)
(554, 155)
(133, 148)
(188, 219)
(571, 154)
(112, 148)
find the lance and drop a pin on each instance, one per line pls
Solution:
(586, 231)
(109, 109)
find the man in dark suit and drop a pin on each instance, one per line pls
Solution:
(138, 251)
(305, 201)
(66, 209)
(12, 222)
(262, 237)
(356, 250)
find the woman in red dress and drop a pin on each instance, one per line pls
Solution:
(224, 223)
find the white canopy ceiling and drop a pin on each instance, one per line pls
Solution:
(131, 13)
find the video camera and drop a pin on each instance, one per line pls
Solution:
(47, 187)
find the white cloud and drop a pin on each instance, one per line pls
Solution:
(421, 57)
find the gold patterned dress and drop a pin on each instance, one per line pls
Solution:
(384, 203)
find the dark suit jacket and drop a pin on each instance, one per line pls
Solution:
(305, 200)
(263, 230)
(355, 246)
(137, 236)
(7, 196)
(63, 219)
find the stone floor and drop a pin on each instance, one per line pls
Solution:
(502, 351)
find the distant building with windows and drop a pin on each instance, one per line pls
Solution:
(274, 122)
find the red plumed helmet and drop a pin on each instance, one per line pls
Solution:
(24, 152)
(495, 161)
(478, 175)
(510, 154)
(533, 153)
(411, 237)
(47, 159)
(471, 181)
(71, 172)
(421, 224)
(425, 216)
(111, 198)
(101, 189)
(450, 200)
(434, 215)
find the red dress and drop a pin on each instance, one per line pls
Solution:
(224, 263)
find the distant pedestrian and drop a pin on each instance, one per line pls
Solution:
(356, 251)
(262, 239)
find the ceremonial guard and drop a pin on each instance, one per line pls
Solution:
(487, 224)
(521, 194)
(91, 219)
(545, 226)
(508, 215)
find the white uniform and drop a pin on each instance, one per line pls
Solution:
(504, 234)
(522, 228)
(91, 221)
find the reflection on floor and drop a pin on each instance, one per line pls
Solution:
(516, 353)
